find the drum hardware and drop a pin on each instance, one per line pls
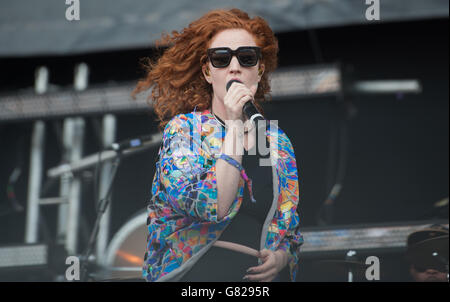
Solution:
(430, 253)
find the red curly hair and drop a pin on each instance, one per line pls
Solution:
(176, 78)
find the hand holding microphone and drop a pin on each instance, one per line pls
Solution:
(237, 95)
(240, 101)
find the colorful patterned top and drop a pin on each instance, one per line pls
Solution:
(182, 213)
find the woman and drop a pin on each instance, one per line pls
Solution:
(217, 214)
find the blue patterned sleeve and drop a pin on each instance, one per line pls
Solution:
(187, 172)
(291, 244)
(293, 239)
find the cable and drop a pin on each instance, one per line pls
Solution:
(97, 176)
(325, 213)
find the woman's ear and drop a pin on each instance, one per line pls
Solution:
(261, 71)
(206, 73)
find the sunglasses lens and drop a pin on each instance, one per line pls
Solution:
(248, 57)
(220, 58)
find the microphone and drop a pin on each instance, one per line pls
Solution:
(249, 108)
(130, 143)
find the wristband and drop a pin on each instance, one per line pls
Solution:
(238, 166)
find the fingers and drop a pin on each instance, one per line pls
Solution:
(236, 97)
(244, 99)
(252, 89)
(264, 277)
(265, 272)
(260, 278)
(269, 263)
(239, 89)
(265, 253)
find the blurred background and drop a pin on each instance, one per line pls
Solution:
(361, 90)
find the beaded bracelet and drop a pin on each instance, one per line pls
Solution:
(238, 166)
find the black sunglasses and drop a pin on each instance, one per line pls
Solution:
(247, 56)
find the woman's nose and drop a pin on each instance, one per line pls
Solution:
(234, 64)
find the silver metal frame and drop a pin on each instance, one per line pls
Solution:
(74, 193)
(108, 137)
(34, 184)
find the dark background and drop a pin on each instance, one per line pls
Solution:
(397, 161)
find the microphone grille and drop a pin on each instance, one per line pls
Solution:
(231, 82)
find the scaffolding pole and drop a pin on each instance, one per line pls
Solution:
(34, 182)
(108, 137)
(75, 190)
